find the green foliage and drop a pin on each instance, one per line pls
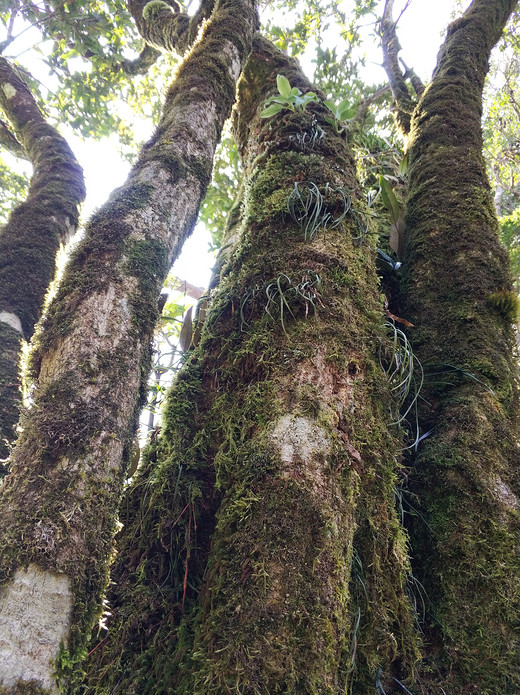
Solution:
(344, 111)
(89, 50)
(390, 201)
(290, 25)
(290, 98)
(13, 189)
(510, 233)
(501, 120)
(396, 214)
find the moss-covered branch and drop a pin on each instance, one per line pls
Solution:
(458, 293)
(92, 358)
(32, 236)
(164, 26)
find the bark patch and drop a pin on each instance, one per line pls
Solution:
(303, 446)
(35, 612)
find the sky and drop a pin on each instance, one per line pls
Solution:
(420, 31)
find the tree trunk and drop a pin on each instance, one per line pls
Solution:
(32, 236)
(91, 364)
(458, 293)
(250, 558)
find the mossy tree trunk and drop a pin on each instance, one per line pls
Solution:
(457, 291)
(32, 236)
(91, 364)
(261, 551)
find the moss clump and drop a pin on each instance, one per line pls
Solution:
(155, 9)
(148, 261)
(507, 303)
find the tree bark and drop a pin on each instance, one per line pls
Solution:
(458, 293)
(32, 236)
(250, 560)
(91, 363)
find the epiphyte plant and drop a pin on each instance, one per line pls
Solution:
(282, 290)
(288, 98)
(344, 111)
(307, 208)
(291, 98)
(308, 139)
(405, 375)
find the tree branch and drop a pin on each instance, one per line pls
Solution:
(163, 26)
(10, 142)
(453, 259)
(93, 358)
(35, 229)
(410, 74)
(366, 103)
(142, 63)
(404, 103)
(188, 289)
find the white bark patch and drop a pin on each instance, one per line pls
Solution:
(303, 447)
(504, 494)
(235, 66)
(11, 320)
(9, 90)
(35, 609)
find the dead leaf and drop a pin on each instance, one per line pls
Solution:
(186, 331)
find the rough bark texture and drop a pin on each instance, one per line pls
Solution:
(458, 293)
(31, 624)
(32, 236)
(249, 560)
(11, 340)
(92, 356)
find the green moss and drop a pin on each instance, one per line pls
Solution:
(463, 478)
(148, 261)
(37, 227)
(507, 303)
(154, 9)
